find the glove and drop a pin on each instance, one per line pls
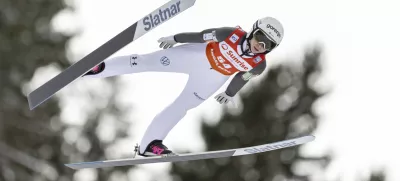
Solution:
(167, 42)
(222, 98)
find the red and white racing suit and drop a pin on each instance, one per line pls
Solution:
(208, 64)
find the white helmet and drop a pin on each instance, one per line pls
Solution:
(271, 28)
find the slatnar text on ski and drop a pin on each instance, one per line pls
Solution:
(152, 20)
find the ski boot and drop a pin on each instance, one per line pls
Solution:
(155, 148)
(97, 69)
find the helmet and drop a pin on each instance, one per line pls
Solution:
(267, 28)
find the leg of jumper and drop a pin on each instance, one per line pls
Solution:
(170, 116)
(202, 83)
(159, 61)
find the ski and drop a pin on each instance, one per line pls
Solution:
(136, 30)
(195, 156)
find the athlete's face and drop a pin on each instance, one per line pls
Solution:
(256, 47)
(260, 42)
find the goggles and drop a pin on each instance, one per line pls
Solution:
(263, 39)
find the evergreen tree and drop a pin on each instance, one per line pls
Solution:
(34, 145)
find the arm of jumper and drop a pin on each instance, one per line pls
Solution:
(212, 34)
(241, 79)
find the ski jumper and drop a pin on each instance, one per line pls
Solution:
(208, 58)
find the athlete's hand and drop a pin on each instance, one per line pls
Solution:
(167, 42)
(222, 98)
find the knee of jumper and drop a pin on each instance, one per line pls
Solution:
(182, 108)
(191, 101)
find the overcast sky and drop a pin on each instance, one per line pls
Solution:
(361, 59)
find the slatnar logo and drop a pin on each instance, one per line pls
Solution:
(153, 20)
(269, 148)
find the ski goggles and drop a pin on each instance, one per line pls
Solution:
(263, 39)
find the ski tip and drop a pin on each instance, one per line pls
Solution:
(310, 137)
(190, 1)
(187, 3)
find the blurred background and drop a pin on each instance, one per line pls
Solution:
(334, 76)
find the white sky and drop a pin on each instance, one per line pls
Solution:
(360, 39)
